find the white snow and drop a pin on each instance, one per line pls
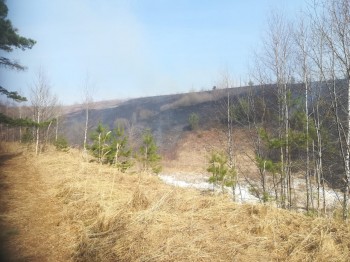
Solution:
(172, 180)
(242, 192)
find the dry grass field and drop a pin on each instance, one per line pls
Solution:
(56, 207)
(194, 149)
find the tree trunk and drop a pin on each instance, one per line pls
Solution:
(347, 158)
(307, 173)
(86, 125)
(37, 135)
(56, 131)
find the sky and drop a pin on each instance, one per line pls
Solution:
(126, 49)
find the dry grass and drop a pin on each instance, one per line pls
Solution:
(194, 149)
(188, 99)
(138, 218)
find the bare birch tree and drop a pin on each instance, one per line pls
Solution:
(277, 52)
(337, 38)
(318, 55)
(259, 112)
(88, 91)
(58, 111)
(301, 37)
(43, 103)
(224, 113)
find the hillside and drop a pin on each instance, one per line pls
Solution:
(94, 105)
(167, 115)
(58, 208)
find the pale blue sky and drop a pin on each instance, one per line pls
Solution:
(137, 48)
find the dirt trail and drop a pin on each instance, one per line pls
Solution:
(30, 227)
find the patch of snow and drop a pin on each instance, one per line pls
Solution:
(242, 192)
(243, 195)
(171, 180)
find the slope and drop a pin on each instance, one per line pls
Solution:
(108, 216)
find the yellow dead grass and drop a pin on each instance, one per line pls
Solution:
(138, 218)
(194, 149)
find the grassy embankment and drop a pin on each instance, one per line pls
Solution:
(97, 214)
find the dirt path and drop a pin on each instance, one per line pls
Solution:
(30, 227)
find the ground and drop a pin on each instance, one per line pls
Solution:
(57, 207)
(31, 228)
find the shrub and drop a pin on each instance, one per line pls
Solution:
(100, 147)
(222, 174)
(111, 147)
(61, 144)
(149, 155)
(119, 151)
(193, 120)
(27, 136)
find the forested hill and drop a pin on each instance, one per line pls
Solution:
(166, 116)
(258, 109)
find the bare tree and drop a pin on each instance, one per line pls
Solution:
(224, 97)
(336, 31)
(58, 116)
(43, 103)
(277, 53)
(301, 37)
(88, 91)
(318, 55)
(256, 116)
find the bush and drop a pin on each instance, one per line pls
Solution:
(149, 153)
(221, 173)
(111, 147)
(61, 144)
(100, 143)
(27, 136)
(193, 120)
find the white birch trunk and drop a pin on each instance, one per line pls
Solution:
(37, 135)
(86, 126)
(347, 158)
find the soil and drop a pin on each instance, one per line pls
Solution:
(29, 214)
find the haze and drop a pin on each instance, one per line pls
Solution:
(136, 48)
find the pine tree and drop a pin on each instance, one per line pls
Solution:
(119, 152)
(222, 173)
(149, 155)
(9, 39)
(193, 121)
(100, 139)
